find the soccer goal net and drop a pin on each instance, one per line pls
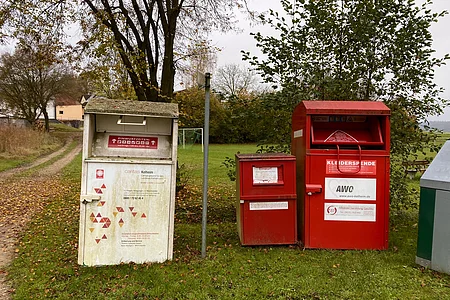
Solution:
(190, 136)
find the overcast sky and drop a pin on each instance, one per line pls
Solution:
(232, 43)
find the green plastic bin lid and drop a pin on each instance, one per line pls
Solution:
(437, 175)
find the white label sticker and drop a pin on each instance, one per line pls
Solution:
(269, 205)
(265, 175)
(298, 133)
(350, 212)
(350, 188)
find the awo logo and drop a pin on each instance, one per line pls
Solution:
(345, 189)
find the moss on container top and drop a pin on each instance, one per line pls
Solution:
(102, 105)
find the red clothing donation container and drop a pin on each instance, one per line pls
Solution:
(266, 208)
(342, 151)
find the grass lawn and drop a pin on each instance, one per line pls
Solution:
(47, 267)
(192, 159)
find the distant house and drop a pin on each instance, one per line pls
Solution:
(69, 111)
(50, 111)
(63, 109)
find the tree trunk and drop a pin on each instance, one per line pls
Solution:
(168, 70)
(47, 123)
(168, 73)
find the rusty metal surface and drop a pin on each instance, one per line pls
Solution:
(132, 107)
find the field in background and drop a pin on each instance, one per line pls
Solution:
(192, 159)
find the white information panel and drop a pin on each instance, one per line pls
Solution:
(350, 212)
(350, 188)
(269, 205)
(265, 175)
(131, 222)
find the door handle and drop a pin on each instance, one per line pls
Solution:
(120, 122)
(85, 199)
(313, 189)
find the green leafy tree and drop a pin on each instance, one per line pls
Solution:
(191, 103)
(358, 50)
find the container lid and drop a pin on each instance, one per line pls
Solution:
(107, 106)
(346, 107)
(437, 175)
(264, 156)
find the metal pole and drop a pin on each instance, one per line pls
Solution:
(203, 148)
(205, 164)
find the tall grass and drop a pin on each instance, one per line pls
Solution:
(17, 142)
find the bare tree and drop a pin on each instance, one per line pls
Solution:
(199, 59)
(233, 80)
(30, 78)
(144, 33)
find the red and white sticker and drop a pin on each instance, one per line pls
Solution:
(140, 142)
(351, 166)
(350, 212)
(99, 174)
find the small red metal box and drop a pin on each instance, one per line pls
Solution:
(266, 205)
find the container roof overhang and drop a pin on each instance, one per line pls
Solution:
(107, 106)
(346, 107)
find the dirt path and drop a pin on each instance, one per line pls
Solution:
(39, 161)
(21, 198)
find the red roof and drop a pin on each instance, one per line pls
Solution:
(60, 101)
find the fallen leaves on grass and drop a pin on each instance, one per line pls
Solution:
(23, 198)
(221, 206)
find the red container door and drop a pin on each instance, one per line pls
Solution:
(269, 222)
(351, 210)
(266, 199)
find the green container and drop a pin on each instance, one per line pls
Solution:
(433, 241)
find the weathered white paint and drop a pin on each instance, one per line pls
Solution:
(133, 220)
